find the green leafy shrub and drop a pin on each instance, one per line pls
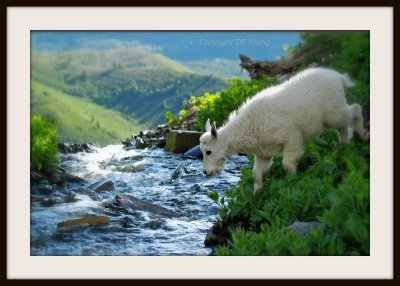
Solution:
(346, 52)
(332, 186)
(43, 143)
(218, 106)
(170, 119)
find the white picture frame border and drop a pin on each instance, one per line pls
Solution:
(21, 20)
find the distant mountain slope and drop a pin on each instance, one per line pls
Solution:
(80, 120)
(220, 67)
(137, 83)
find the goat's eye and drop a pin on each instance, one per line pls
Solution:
(208, 152)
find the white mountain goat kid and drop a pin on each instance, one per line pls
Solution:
(279, 119)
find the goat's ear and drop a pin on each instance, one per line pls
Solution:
(208, 125)
(214, 130)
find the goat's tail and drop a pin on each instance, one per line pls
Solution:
(347, 81)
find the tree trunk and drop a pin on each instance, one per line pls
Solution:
(282, 66)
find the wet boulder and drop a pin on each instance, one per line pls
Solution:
(90, 220)
(179, 141)
(194, 153)
(36, 176)
(130, 202)
(218, 235)
(43, 189)
(102, 185)
(73, 178)
(48, 202)
(140, 144)
(137, 167)
(56, 176)
(127, 142)
(66, 148)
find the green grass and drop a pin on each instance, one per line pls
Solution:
(43, 143)
(78, 119)
(332, 187)
(136, 83)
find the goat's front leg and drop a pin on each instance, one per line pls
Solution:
(261, 165)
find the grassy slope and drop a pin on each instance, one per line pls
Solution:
(80, 120)
(134, 82)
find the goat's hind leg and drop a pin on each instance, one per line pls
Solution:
(358, 122)
(261, 165)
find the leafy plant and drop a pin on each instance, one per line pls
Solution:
(332, 186)
(346, 52)
(43, 143)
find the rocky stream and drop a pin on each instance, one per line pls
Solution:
(119, 200)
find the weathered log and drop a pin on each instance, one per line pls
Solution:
(282, 66)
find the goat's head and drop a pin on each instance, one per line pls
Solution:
(213, 149)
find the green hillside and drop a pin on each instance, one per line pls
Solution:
(136, 83)
(220, 67)
(78, 119)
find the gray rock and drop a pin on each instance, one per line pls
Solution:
(102, 185)
(305, 227)
(127, 142)
(181, 141)
(187, 105)
(45, 190)
(66, 148)
(36, 176)
(140, 143)
(194, 153)
(138, 167)
(74, 179)
(177, 172)
(49, 202)
(130, 202)
(56, 176)
(127, 222)
(70, 198)
(154, 224)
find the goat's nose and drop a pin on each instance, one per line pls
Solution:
(205, 172)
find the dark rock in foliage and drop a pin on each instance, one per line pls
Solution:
(218, 235)
(181, 141)
(130, 202)
(36, 176)
(102, 185)
(66, 148)
(305, 227)
(194, 153)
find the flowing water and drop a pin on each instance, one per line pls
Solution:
(161, 178)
